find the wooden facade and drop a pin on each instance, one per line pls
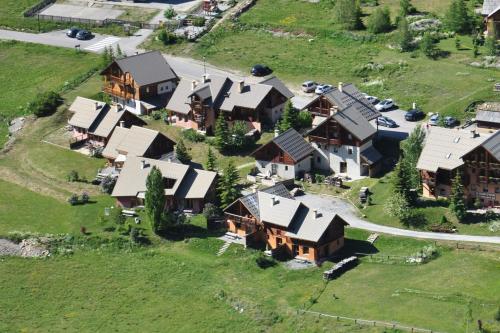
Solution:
(493, 24)
(273, 154)
(322, 106)
(120, 84)
(332, 133)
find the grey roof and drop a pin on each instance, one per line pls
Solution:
(488, 116)
(147, 68)
(251, 201)
(445, 147)
(310, 227)
(489, 6)
(189, 183)
(280, 213)
(492, 145)
(133, 141)
(371, 155)
(355, 123)
(351, 97)
(222, 93)
(85, 111)
(278, 85)
(292, 143)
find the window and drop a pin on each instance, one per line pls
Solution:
(349, 136)
(305, 249)
(485, 189)
(279, 241)
(335, 149)
(318, 159)
(349, 151)
(286, 167)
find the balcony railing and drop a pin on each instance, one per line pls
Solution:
(240, 219)
(118, 93)
(320, 139)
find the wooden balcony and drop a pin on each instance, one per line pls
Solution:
(240, 219)
(118, 93)
(319, 139)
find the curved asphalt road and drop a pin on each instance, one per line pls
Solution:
(348, 212)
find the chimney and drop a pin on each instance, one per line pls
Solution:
(193, 84)
(276, 132)
(317, 214)
(169, 160)
(332, 111)
(96, 106)
(341, 87)
(473, 134)
(241, 84)
(143, 164)
(274, 201)
(205, 78)
(122, 123)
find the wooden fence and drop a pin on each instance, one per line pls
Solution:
(373, 323)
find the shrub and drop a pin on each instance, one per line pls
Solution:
(304, 119)
(116, 216)
(319, 178)
(44, 104)
(167, 37)
(135, 235)
(108, 184)
(169, 13)
(156, 115)
(193, 136)
(85, 197)
(198, 21)
(264, 261)
(497, 314)
(72, 176)
(210, 211)
(380, 21)
(238, 138)
(73, 199)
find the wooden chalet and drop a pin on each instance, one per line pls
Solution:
(475, 156)
(287, 156)
(197, 105)
(141, 83)
(491, 15)
(488, 116)
(273, 218)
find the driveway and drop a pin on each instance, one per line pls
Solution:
(404, 127)
(349, 213)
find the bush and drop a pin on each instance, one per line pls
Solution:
(167, 37)
(238, 138)
(264, 261)
(304, 119)
(169, 13)
(156, 115)
(73, 176)
(44, 104)
(319, 178)
(116, 216)
(108, 184)
(192, 135)
(73, 199)
(198, 21)
(135, 235)
(85, 198)
(380, 21)
(210, 211)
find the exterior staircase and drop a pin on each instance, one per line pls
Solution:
(372, 238)
(223, 249)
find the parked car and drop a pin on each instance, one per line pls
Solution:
(450, 122)
(72, 32)
(260, 70)
(323, 88)
(83, 35)
(384, 105)
(386, 121)
(434, 119)
(309, 86)
(414, 115)
(371, 99)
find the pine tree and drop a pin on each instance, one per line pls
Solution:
(211, 164)
(348, 14)
(427, 45)
(380, 21)
(286, 121)
(221, 133)
(181, 152)
(228, 190)
(119, 53)
(412, 148)
(155, 198)
(406, 8)
(457, 17)
(404, 36)
(491, 46)
(457, 204)
(401, 182)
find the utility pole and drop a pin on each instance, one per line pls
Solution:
(204, 66)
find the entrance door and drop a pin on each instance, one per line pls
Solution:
(343, 167)
(274, 169)
(295, 250)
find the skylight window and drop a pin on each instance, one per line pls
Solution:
(448, 156)
(456, 139)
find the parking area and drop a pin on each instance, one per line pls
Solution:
(402, 130)
(82, 12)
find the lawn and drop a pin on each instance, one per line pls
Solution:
(30, 69)
(183, 286)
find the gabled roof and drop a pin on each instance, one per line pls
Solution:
(350, 97)
(309, 226)
(281, 213)
(355, 123)
(146, 68)
(492, 145)
(109, 119)
(133, 141)
(189, 183)
(86, 111)
(249, 97)
(291, 143)
(251, 201)
(278, 85)
(445, 147)
(490, 6)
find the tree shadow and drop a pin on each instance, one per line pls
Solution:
(422, 203)
(184, 231)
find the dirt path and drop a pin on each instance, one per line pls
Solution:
(8, 248)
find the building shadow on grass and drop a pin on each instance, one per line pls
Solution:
(184, 231)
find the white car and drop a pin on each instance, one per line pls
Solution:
(434, 119)
(386, 104)
(309, 86)
(371, 99)
(323, 89)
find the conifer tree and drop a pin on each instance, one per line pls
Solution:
(221, 133)
(211, 164)
(181, 152)
(228, 190)
(457, 203)
(348, 14)
(155, 198)
(404, 35)
(457, 17)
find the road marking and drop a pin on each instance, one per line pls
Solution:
(102, 44)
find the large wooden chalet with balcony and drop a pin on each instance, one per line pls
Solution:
(274, 219)
(140, 83)
(476, 156)
(197, 105)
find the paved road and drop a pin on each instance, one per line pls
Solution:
(348, 212)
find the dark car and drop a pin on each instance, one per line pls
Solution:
(450, 122)
(260, 70)
(83, 35)
(386, 121)
(414, 115)
(72, 32)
